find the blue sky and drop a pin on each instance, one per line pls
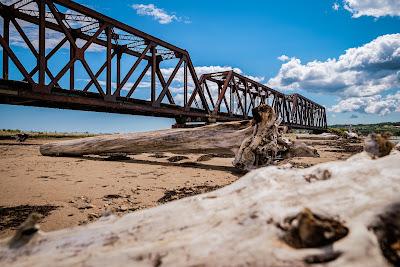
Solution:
(357, 86)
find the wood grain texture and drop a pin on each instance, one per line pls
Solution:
(219, 137)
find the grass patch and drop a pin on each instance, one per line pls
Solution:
(10, 133)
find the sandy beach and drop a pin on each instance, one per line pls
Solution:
(73, 191)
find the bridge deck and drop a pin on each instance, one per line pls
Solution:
(20, 93)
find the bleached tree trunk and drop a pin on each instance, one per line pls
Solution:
(254, 143)
(233, 226)
(211, 138)
(220, 137)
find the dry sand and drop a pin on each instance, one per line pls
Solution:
(73, 191)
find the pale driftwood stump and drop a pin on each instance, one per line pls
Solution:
(237, 225)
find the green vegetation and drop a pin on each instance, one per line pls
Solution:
(337, 131)
(365, 129)
(10, 133)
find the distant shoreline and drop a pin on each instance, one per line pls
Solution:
(365, 129)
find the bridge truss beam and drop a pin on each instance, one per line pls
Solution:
(78, 23)
(237, 95)
(230, 96)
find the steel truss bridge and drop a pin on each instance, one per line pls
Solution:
(224, 96)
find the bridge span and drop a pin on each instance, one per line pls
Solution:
(134, 63)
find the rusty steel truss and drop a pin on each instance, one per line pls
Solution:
(222, 96)
(237, 95)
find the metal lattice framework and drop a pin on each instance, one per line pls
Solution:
(239, 94)
(82, 28)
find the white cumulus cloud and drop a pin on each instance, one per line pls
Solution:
(283, 58)
(362, 71)
(159, 14)
(372, 8)
(371, 104)
(335, 6)
(359, 76)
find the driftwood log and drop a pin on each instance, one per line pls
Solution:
(344, 213)
(254, 143)
(219, 138)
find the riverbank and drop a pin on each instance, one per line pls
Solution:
(74, 191)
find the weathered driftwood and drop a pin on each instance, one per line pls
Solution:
(261, 147)
(219, 137)
(323, 136)
(266, 144)
(378, 145)
(215, 137)
(237, 225)
(260, 141)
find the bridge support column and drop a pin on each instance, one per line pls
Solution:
(109, 96)
(40, 86)
(185, 83)
(42, 46)
(119, 55)
(6, 33)
(180, 120)
(72, 69)
(153, 73)
(318, 131)
(187, 122)
(108, 59)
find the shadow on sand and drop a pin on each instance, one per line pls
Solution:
(195, 165)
